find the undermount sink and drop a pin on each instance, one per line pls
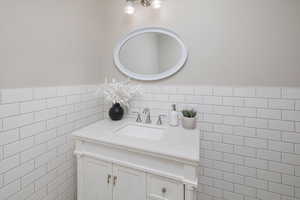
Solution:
(141, 131)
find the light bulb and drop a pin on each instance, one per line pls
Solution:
(129, 8)
(156, 4)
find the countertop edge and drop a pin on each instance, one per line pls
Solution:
(129, 148)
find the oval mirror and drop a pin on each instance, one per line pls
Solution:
(150, 54)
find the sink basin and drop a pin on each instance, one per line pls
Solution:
(141, 131)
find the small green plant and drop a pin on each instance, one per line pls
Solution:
(189, 113)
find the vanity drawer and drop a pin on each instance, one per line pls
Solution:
(160, 188)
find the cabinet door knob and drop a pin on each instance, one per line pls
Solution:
(115, 180)
(164, 190)
(108, 178)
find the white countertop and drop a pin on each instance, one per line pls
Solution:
(177, 143)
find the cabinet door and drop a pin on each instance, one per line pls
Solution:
(95, 180)
(129, 184)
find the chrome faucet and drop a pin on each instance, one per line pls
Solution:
(159, 119)
(147, 118)
(138, 118)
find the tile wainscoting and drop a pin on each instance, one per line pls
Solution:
(250, 138)
(36, 151)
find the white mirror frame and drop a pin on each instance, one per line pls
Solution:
(150, 77)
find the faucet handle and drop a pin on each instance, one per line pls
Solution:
(138, 118)
(159, 120)
(148, 118)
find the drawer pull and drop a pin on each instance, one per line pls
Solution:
(164, 190)
(108, 178)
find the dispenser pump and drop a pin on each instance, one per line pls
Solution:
(173, 107)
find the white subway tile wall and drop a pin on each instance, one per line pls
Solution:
(36, 150)
(250, 138)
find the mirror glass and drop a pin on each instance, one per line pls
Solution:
(150, 54)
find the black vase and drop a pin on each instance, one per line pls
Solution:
(116, 112)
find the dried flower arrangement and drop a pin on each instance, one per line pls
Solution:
(120, 91)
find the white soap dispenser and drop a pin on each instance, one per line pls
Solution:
(173, 121)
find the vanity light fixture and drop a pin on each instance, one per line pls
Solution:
(129, 8)
(146, 3)
(156, 4)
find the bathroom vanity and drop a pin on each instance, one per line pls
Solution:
(126, 160)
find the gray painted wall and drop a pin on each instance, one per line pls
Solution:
(231, 42)
(50, 42)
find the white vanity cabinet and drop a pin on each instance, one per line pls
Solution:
(110, 169)
(99, 180)
(104, 178)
